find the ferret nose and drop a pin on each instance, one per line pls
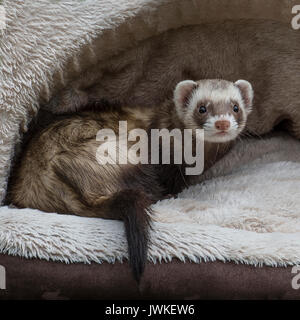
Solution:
(222, 125)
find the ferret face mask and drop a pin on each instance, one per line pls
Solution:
(219, 107)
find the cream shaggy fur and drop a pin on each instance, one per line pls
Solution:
(248, 211)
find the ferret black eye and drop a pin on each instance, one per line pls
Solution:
(202, 109)
(235, 108)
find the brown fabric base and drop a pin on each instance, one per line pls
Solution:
(38, 279)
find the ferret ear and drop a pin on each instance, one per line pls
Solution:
(183, 91)
(246, 92)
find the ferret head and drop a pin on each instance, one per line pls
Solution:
(219, 107)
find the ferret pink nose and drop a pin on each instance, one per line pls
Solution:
(222, 125)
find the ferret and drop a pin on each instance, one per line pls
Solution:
(267, 53)
(59, 171)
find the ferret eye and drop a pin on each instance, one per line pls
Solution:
(235, 108)
(202, 109)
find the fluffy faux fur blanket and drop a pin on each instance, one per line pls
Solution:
(247, 210)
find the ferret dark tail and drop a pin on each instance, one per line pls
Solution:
(132, 206)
